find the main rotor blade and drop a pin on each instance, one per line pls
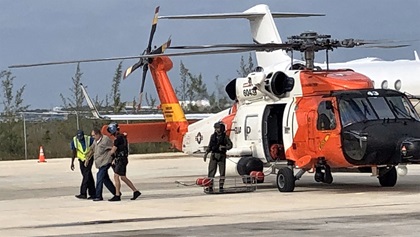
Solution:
(218, 51)
(388, 41)
(222, 51)
(387, 46)
(153, 30)
(246, 15)
(75, 61)
(350, 43)
(267, 46)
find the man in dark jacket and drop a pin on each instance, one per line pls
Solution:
(218, 145)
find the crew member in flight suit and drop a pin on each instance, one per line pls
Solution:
(218, 145)
(120, 153)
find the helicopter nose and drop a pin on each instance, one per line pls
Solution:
(410, 150)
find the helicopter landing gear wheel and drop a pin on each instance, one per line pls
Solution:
(389, 177)
(285, 180)
(323, 174)
(328, 179)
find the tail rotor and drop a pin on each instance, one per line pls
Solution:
(144, 62)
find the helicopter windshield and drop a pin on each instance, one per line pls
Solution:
(362, 109)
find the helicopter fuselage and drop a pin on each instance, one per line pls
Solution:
(334, 116)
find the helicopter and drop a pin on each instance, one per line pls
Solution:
(315, 120)
(305, 119)
(399, 74)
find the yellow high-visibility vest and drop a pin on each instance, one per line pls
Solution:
(81, 154)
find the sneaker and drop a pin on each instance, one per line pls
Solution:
(136, 194)
(91, 198)
(81, 196)
(115, 198)
(98, 199)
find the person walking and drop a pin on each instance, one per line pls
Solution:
(80, 146)
(100, 150)
(218, 145)
(120, 153)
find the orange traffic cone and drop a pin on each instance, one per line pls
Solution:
(41, 155)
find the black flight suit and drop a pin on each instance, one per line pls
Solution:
(218, 156)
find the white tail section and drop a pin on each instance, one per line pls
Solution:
(263, 30)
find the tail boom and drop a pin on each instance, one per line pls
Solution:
(176, 123)
(143, 132)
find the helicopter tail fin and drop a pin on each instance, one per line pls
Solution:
(263, 30)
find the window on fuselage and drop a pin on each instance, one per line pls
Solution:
(326, 118)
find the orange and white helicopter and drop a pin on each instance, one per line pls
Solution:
(289, 121)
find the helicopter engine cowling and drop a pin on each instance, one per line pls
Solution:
(258, 84)
(246, 89)
(278, 83)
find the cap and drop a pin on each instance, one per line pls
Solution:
(80, 134)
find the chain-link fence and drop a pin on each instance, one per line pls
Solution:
(55, 137)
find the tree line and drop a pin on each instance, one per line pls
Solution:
(55, 136)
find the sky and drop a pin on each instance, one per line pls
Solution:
(56, 30)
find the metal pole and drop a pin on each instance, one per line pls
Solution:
(24, 136)
(77, 120)
(128, 144)
(327, 59)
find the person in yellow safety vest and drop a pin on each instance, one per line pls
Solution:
(80, 146)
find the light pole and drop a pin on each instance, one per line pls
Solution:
(24, 136)
(77, 119)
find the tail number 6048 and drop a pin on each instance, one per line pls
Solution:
(250, 92)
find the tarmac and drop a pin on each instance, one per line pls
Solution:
(37, 199)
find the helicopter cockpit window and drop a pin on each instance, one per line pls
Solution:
(353, 110)
(402, 107)
(381, 107)
(326, 117)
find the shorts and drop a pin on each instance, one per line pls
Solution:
(120, 166)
